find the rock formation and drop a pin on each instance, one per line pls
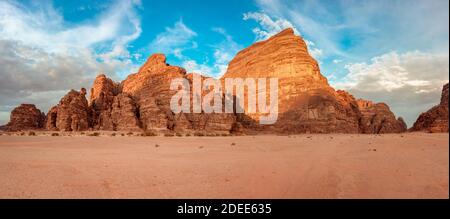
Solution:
(102, 96)
(71, 114)
(50, 121)
(435, 119)
(150, 88)
(25, 117)
(307, 103)
(378, 118)
(111, 109)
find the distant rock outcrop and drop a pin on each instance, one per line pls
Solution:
(435, 119)
(378, 118)
(25, 117)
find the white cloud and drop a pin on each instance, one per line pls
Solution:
(366, 27)
(269, 26)
(174, 40)
(41, 55)
(192, 66)
(315, 52)
(409, 82)
(223, 52)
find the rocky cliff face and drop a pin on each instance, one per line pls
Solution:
(307, 103)
(111, 109)
(435, 119)
(378, 118)
(71, 114)
(25, 117)
(150, 88)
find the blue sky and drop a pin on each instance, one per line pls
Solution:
(387, 51)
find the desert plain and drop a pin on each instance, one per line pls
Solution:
(408, 165)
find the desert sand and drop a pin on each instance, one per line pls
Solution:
(411, 165)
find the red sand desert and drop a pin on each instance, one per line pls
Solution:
(410, 165)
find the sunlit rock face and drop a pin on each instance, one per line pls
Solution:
(150, 88)
(306, 102)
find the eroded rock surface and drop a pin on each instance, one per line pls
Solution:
(71, 114)
(435, 119)
(307, 103)
(25, 117)
(377, 118)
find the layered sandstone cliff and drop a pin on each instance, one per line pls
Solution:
(307, 103)
(142, 102)
(435, 119)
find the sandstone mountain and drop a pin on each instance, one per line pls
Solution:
(141, 102)
(435, 119)
(307, 103)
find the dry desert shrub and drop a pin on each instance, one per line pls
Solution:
(95, 134)
(31, 134)
(169, 135)
(199, 134)
(55, 134)
(150, 133)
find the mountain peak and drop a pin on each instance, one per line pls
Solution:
(287, 31)
(156, 60)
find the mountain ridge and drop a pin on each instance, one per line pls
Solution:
(141, 102)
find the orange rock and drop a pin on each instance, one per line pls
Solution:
(71, 114)
(376, 118)
(25, 117)
(307, 103)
